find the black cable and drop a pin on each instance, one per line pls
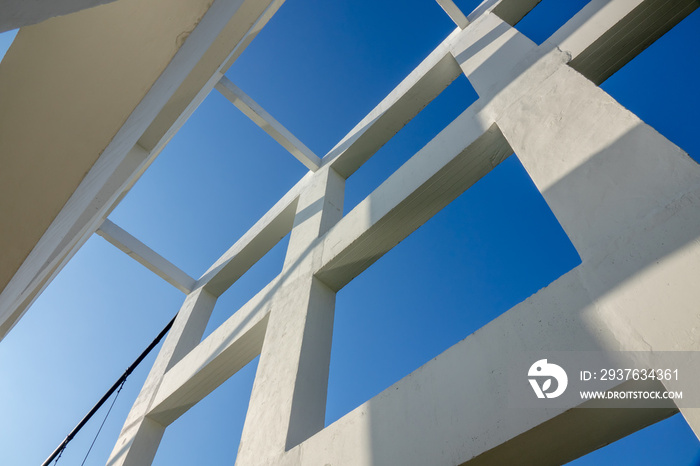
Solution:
(103, 423)
(59, 454)
(59, 450)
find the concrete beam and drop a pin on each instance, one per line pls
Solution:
(628, 199)
(146, 256)
(453, 410)
(636, 233)
(606, 35)
(454, 160)
(416, 91)
(52, 72)
(254, 244)
(298, 336)
(265, 121)
(140, 435)
(227, 350)
(454, 13)
(512, 11)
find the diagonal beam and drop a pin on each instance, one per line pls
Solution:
(146, 256)
(455, 159)
(227, 350)
(254, 244)
(177, 82)
(271, 126)
(605, 36)
(454, 13)
(417, 90)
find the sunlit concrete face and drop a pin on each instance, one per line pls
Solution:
(628, 199)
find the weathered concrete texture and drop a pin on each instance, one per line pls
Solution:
(628, 199)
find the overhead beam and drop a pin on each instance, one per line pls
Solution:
(605, 36)
(254, 244)
(154, 96)
(455, 409)
(227, 350)
(454, 13)
(265, 121)
(146, 256)
(512, 11)
(454, 160)
(402, 104)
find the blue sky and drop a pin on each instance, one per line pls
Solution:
(318, 67)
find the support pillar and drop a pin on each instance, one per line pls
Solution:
(140, 436)
(288, 402)
(627, 197)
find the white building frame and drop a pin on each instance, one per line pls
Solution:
(628, 199)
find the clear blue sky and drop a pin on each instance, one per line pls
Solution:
(318, 67)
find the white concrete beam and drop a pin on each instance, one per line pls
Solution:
(298, 335)
(455, 410)
(140, 435)
(635, 224)
(454, 13)
(455, 159)
(605, 35)
(265, 121)
(628, 199)
(41, 239)
(227, 350)
(403, 103)
(254, 244)
(512, 11)
(146, 256)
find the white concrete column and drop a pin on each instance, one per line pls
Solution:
(140, 436)
(289, 395)
(628, 198)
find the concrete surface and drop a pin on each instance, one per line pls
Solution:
(628, 199)
(56, 190)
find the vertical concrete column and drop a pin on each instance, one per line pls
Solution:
(288, 402)
(628, 198)
(140, 436)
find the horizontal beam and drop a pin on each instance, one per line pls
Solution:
(605, 36)
(271, 126)
(454, 160)
(416, 91)
(456, 408)
(227, 350)
(254, 244)
(146, 256)
(512, 11)
(454, 13)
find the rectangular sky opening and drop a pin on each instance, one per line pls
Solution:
(491, 248)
